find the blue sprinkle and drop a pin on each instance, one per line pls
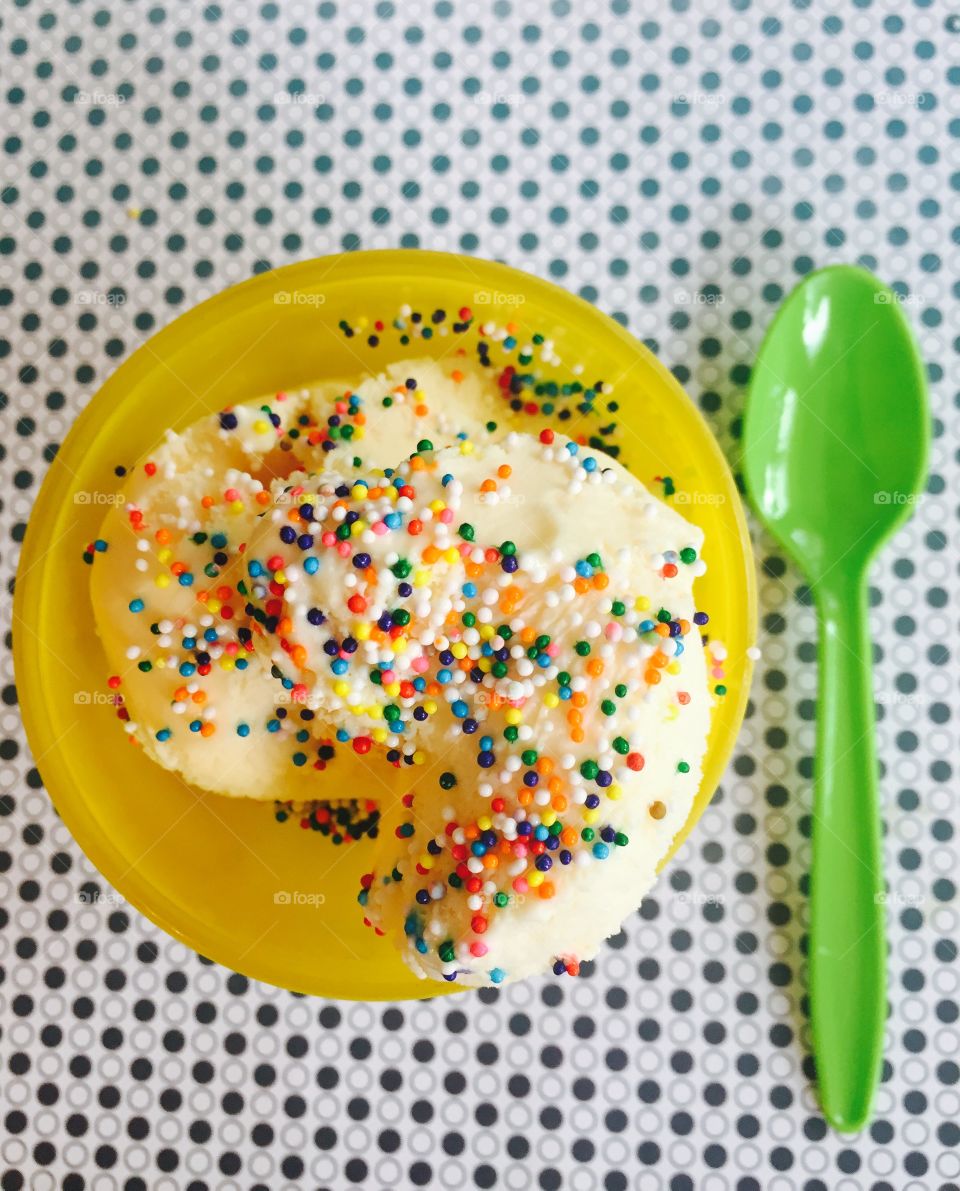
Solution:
(186, 579)
(243, 729)
(311, 565)
(459, 709)
(164, 734)
(254, 569)
(601, 851)
(497, 975)
(242, 663)
(340, 666)
(100, 546)
(486, 742)
(135, 605)
(444, 676)
(590, 464)
(187, 669)
(195, 725)
(343, 735)
(273, 725)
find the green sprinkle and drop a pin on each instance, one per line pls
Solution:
(467, 532)
(621, 745)
(582, 648)
(688, 554)
(508, 548)
(608, 707)
(589, 770)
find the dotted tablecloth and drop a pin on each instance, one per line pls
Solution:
(681, 164)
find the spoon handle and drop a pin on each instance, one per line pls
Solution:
(847, 960)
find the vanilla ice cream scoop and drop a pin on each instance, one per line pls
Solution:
(514, 623)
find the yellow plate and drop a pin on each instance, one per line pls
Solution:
(208, 869)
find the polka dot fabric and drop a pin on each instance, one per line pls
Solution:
(681, 170)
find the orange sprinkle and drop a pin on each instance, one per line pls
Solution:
(547, 890)
(659, 660)
(208, 729)
(559, 804)
(263, 498)
(284, 625)
(199, 697)
(207, 502)
(504, 471)
(657, 810)
(600, 581)
(421, 411)
(578, 699)
(568, 837)
(488, 486)
(163, 536)
(299, 655)
(652, 677)
(544, 765)
(581, 586)
(576, 735)
(594, 667)
(456, 375)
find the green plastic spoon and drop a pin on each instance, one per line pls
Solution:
(835, 441)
